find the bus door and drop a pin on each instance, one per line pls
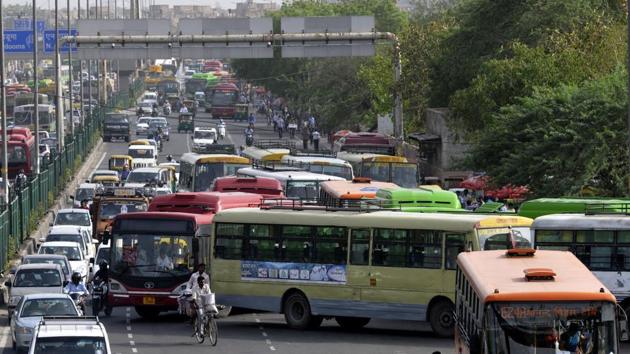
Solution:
(358, 269)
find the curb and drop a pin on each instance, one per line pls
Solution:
(29, 245)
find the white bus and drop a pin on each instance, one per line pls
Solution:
(600, 241)
(22, 116)
(296, 184)
(319, 164)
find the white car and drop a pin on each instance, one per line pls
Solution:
(34, 279)
(203, 138)
(75, 217)
(149, 96)
(86, 191)
(140, 177)
(73, 233)
(72, 251)
(102, 254)
(142, 125)
(70, 335)
(143, 156)
(146, 107)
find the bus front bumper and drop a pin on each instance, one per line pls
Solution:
(144, 298)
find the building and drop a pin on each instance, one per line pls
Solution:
(250, 8)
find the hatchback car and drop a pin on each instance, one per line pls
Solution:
(34, 279)
(29, 312)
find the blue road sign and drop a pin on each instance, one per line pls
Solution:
(41, 26)
(22, 24)
(18, 41)
(49, 40)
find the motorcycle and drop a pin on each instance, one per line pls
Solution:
(221, 130)
(100, 291)
(249, 139)
(79, 300)
(167, 109)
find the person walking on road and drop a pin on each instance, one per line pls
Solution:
(280, 127)
(305, 136)
(316, 137)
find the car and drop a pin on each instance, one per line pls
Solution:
(102, 254)
(51, 143)
(102, 173)
(142, 125)
(62, 261)
(159, 122)
(143, 155)
(202, 138)
(30, 311)
(73, 250)
(34, 279)
(149, 96)
(74, 216)
(140, 177)
(146, 107)
(70, 335)
(73, 233)
(86, 191)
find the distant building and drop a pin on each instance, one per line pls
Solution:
(250, 8)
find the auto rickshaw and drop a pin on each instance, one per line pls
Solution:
(172, 98)
(117, 162)
(186, 122)
(106, 181)
(172, 178)
(139, 142)
(241, 112)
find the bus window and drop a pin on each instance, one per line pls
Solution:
(260, 245)
(331, 245)
(594, 257)
(229, 242)
(425, 249)
(360, 241)
(554, 236)
(296, 243)
(595, 236)
(455, 244)
(389, 248)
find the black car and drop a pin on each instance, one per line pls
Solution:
(116, 125)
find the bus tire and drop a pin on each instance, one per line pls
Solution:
(147, 312)
(297, 312)
(352, 322)
(441, 318)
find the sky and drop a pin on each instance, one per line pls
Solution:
(222, 3)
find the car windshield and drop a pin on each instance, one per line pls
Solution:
(112, 208)
(84, 193)
(143, 120)
(550, 328)
(142, 177)
(102, 255)
(48, 307)
(204, 134)
(72, 253)
(152, 255)
(32, 278)
(80, 219)
(66, 238)
(207, 172)
(40, 260)
(302, 189)
(63, 345)
(146, 104)
(141, 153)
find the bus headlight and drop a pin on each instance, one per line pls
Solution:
(116, 287)
(180, 289)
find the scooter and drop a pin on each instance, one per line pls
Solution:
(221, 130)
(167, 109)
(79, 300)
(249, 139)
(100, 291)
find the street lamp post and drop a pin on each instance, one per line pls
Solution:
(3, 93)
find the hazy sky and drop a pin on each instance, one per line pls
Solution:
(222, 3)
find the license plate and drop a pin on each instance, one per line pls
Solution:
(148, 300)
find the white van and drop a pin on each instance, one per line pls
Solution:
(143, 155)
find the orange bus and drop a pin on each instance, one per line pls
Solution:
(529, 301)
(343, 194)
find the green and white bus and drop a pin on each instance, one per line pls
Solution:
(310, 264)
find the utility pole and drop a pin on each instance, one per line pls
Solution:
(59, 92)
(3, 93)
(89, 64)
(36, 167)
(628, 73)
(70, 81)
(81, 74)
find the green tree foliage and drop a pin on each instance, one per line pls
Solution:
(561, 139)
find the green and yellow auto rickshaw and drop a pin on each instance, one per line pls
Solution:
(186, 122)
(241, 111)
(117, 162)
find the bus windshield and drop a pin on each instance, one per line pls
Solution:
(405, 175)
(206, 173)
(224, 98)
(109, 209)
(344, 172)
(504, 238)
(194, 85)
(572, 327)
(302, 189)
(152, 255)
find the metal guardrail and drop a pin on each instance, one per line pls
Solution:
(28, 205)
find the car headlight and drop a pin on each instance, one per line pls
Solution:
(24, 330)
(13, 300)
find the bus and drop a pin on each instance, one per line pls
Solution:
(364, 142)
(21, 151)
(343, 194)
(168, 86)
(197, 172)
(223, 102)
(203, 202)
(395, 169)
(419, 199)
(264, 155)
(545, 206)
(295, 183)
(528, 301)
(22, 116)
(310, 264)
(152, 257)
(600, 240)
(264, 186)
(200, 82)
(321, 164)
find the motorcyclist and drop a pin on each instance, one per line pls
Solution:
(169, 158)
(76, 285)
(183, 109)
(124, 173)
(103, 272)
(251, 119)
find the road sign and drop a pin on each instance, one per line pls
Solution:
(49, 40)
(22, 24)
(18, 41)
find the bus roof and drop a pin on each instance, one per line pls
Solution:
(258, 185)
(355, 189)
(284, 176)
(202, 202)
(414, 197)
(264, 155)
(193, 158)
(197, 218)
(315, 160)
(381, 219)
(497, 277)
(582, 222)
(544, 206)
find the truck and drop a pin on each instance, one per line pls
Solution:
(116, 125)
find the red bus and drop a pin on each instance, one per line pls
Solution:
(21, 151)
(152, 256)
(264, 186)
(224, 100)
(202, 202)
(212, 65)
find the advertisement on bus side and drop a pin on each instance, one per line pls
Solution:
(293, 272)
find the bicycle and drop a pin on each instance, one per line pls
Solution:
(205, 324)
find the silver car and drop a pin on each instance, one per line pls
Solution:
(29, 313)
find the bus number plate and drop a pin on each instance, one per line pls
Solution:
(148, 300)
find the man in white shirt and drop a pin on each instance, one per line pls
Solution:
(163, 261)
(201, 272)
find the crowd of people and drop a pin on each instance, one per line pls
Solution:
(471, 201)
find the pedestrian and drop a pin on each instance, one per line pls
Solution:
(280, 127)
(316, 137)
(305, 136)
